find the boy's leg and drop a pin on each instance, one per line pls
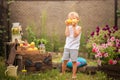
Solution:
(64, 66)
(65, 59)
(74, 56)
(74, 69)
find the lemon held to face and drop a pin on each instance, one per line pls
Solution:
(69, 21)
(74, 21)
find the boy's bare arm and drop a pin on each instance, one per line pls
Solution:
(67, 33)
(76, 31)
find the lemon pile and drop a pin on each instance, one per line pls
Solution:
(30, 47)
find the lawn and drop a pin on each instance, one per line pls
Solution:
(53, 74)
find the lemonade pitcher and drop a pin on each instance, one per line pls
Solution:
(11, 71)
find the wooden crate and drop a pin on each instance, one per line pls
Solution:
(35, 61)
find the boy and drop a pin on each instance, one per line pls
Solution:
(72, 33)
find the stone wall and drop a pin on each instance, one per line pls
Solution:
(92, 13)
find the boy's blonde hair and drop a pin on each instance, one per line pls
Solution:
(75, 14)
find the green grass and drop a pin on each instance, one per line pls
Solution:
(53, 74)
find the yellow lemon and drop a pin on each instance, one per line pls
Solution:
(30, 49)
(15, 30)
(32, 43)
(69, 21)
(35, 48)
(74, 21)
(24, 70)
(21, 45)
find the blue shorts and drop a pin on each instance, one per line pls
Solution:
(70, 54)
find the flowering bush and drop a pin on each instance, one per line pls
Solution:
(109, 52)
(105, 45)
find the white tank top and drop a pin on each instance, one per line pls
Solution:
(71, 41)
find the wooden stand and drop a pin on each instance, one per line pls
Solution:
(31, 60)
(34, 61)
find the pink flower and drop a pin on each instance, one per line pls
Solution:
(112, 39)
(104, 46)
(97, 50)
(118, 50)
(105, 54)
(98, 55)
(109, 44)
(108, 40)
(114, 62)
(117, 42)
(94, 45)
(99, 62)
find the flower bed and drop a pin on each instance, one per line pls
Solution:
(104, 44)
(108, 53)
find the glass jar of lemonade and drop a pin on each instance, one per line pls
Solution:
(16, 31)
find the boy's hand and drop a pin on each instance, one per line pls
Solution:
(74, 22)
(68, 22)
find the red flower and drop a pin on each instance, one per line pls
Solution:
(95, 50)
(110, 61)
